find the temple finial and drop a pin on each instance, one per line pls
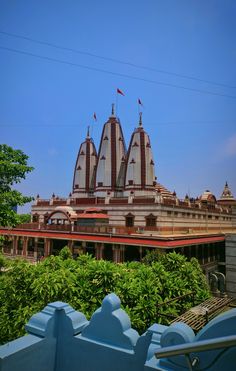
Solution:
(113, 109)
(88, 134)
(140, 119)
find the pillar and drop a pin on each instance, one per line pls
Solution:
(47, 247)
(122, 253)
(140, 253)
(99, 247)
(84, 246)
(118, 254)
(114, 258)
(15, 245)
(25, 246)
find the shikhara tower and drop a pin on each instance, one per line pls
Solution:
(114, 172)
(140, 172)
(84, 173)
(111, 159)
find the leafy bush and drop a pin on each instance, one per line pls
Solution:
(25, 288)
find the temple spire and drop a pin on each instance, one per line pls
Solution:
(226, 194)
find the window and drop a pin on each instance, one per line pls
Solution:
(151, 220)
(129, 220)
(35, 218)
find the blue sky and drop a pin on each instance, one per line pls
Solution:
(46, 105)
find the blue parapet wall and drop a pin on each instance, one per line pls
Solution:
(61, 339)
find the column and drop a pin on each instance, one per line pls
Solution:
(47, 246)
(25, 246)
(118, 254)
(99, 247)
(15, 245)
(140, 253)
(114, 257)
(122, 253)
(83, 244)
(97, 251)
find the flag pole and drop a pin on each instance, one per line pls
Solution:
(139, 104)
(92, 129)
(118, 91)
(116, 104)
(94, 119)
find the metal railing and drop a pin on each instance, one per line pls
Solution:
(200, 346)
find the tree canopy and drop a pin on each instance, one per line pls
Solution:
(83, 283)
(13, 168)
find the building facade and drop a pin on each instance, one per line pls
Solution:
(118, 210)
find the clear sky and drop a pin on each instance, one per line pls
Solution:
(188, 88)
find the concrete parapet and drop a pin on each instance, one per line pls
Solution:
(60, 339)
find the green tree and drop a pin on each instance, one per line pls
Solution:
(24, 218)
(13, 168)
(26, 289)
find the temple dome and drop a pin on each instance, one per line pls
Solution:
(207, 196)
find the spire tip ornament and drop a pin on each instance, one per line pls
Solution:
(88, 133)
(113, 109)
(140, 119)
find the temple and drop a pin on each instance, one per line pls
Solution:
(118, 209)
(122, 184)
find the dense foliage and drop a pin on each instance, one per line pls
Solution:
(25, 288)
(24, 218)
(13, 168)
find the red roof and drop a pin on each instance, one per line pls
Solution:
(93, 216)
(114, 239)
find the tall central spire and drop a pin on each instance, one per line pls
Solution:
(140, 172)
(110, 157)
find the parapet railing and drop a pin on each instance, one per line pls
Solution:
(200, 346)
